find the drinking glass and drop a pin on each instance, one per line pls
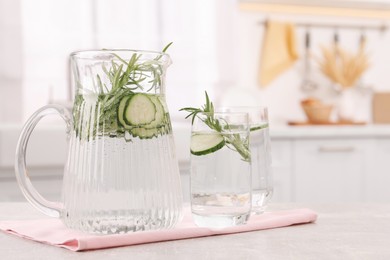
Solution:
(220, 170)
(260, 146)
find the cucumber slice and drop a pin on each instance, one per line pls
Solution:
(139, 110)
(144, 133)
(160, 113)
(121, 110)
(143, 115)
(202, 144)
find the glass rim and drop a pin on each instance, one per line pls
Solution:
(217, 109)
(92, 54)
(225, 113)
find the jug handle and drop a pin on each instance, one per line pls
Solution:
(52, 209)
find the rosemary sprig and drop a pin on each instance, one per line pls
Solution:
(131, 74)
(124, 78)
(232, 141)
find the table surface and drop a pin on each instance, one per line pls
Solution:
(344, 231)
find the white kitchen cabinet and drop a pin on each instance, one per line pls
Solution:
(330, 170)
(46, 153)
(378, 171)
(47, 180)
(332, 164)
(281, 169)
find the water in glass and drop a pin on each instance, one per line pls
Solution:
(220, 183)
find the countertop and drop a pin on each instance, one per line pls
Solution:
(343, 231)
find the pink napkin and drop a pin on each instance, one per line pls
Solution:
(53, 231)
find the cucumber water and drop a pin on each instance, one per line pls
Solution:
(122, 173)
(220, 181)
(129, 160)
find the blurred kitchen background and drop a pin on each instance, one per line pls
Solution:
(321, 67)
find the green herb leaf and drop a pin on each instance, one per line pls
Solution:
(166, 47)
(232, 141)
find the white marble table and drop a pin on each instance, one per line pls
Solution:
(341, 232)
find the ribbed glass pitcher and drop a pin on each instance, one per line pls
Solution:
(121, 173)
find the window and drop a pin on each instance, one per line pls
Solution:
(51, 30)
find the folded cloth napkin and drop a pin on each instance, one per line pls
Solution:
(54, 232)
(279, 50)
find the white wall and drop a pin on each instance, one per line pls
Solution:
(11, 66)
(41, 34)
(282, 96)
(54, 29)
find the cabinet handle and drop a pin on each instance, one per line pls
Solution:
(336, 149)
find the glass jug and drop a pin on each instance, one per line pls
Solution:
(121, 173)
